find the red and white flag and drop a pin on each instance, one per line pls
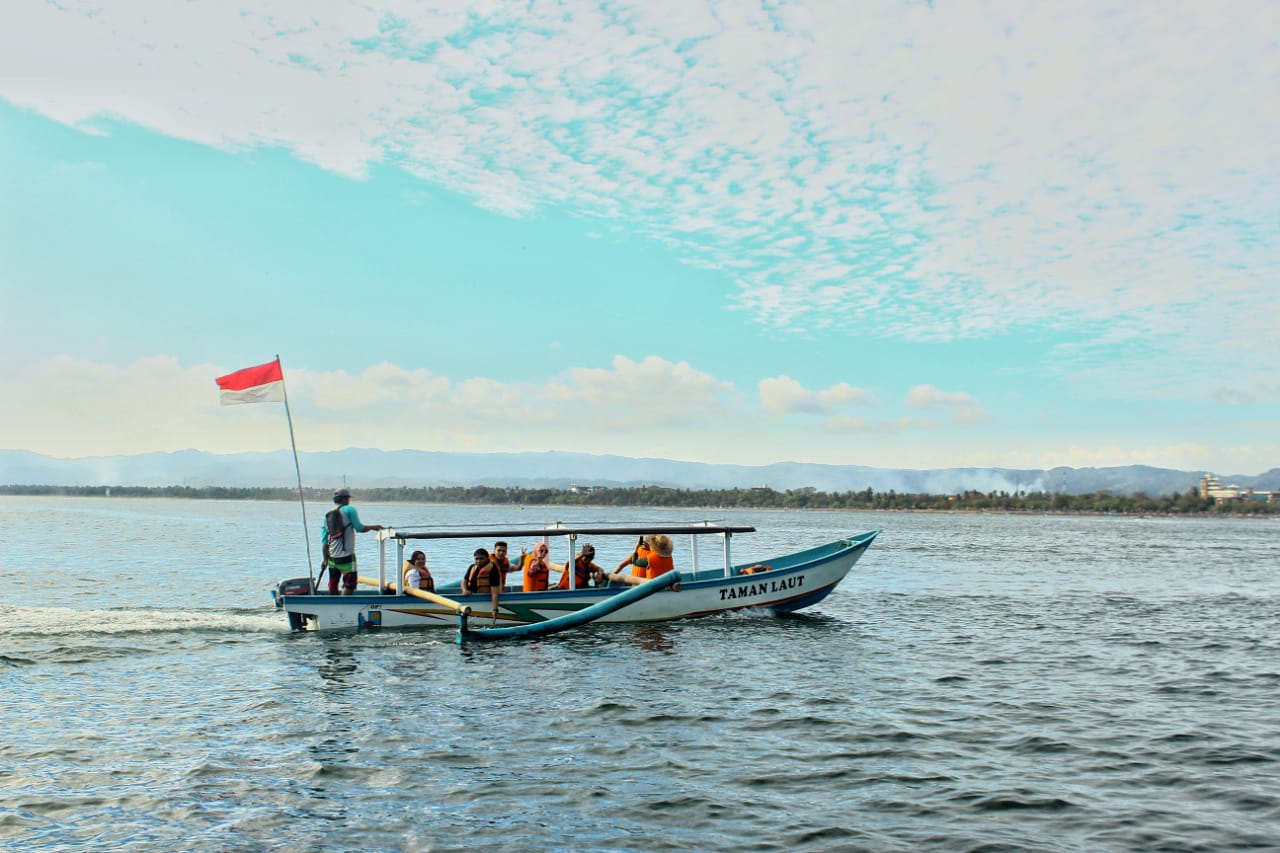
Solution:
(261, 384)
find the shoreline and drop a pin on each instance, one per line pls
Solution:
(11, 492)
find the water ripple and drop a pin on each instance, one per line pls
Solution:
(1018, 693)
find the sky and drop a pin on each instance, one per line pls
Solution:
(895, 234)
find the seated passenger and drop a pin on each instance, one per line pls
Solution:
(415, 573)
(640, 553)
(499, 556)
(585, 572)
(536, 568)
(657, 561)
(483, 576)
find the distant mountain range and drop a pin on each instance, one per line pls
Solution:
(361, 468)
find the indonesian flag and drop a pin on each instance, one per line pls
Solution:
(261, 384)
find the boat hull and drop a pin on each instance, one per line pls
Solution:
(794, 581)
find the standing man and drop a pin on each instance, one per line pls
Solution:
(341, 524)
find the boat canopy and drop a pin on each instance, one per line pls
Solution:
(513, 533)
(400, 537)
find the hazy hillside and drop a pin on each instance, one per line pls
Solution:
(368, 468)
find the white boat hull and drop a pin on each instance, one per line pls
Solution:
(793, 582)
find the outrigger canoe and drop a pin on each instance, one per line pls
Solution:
(782, 584)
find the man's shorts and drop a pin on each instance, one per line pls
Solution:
(346, 570)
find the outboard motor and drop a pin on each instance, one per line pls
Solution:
(292, 586)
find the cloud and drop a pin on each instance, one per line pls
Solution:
(928, 397)
(81, 408)
(905, 424)
(953, 172)
(880, 427)
(784, 395)
(652, 390)
(964, 409)
(845, 423)
(652, 407)
(843, 394)
(379, 384)
(1262, 392)
(73, 407)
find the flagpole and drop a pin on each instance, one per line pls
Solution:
(306, 534)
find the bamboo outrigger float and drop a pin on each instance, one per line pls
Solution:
(782, 584)
(599, 610)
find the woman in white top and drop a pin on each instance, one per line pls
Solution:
(415, 573)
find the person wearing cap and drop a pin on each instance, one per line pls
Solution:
(651, 558)
(483, 576)
(584, 571)
(341, 524)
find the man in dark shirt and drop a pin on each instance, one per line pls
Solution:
(483, 576)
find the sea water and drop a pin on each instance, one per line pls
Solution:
(1021, 682)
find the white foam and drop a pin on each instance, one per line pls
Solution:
(45, 621)
(748, 613)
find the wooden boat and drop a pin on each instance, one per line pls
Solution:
(782, 584)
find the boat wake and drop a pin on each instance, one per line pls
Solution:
(51, 622)
(747, 613)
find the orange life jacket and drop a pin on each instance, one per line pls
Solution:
(581, 574)
(535, 579)
(504, 566)
(658, 565)
(425, 581)
(639, 571)
(480, 580)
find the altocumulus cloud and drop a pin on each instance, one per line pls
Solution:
(954, 171)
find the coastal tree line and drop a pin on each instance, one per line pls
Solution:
(1188, 502)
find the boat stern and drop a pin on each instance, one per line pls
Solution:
(290, 586)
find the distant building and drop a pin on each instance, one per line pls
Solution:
(1211, 489)
(576, 489)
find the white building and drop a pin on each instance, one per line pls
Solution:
(1211, 488)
